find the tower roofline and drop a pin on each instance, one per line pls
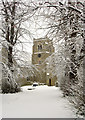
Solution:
(40, 39)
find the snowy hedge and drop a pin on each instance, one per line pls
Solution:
(9, 84)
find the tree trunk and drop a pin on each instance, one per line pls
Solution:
(10, 61)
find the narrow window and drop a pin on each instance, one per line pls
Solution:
(39, 47)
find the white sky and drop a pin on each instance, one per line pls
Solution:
(33, 32)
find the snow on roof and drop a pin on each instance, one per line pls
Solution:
(41, 52)
(46, 43)
(47, 52)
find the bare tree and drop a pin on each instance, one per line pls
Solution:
(65, 23)
(13, 14)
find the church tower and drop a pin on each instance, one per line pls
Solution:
(42, 48)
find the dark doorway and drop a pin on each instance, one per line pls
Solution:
(49, 82)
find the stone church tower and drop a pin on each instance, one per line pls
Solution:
(42, 48)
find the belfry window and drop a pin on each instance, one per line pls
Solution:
(39, 47)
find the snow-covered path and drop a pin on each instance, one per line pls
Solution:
(42, 102)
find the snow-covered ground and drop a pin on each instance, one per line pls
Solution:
(0, 106)
(41, 102)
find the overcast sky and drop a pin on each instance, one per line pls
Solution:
(33, 26)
